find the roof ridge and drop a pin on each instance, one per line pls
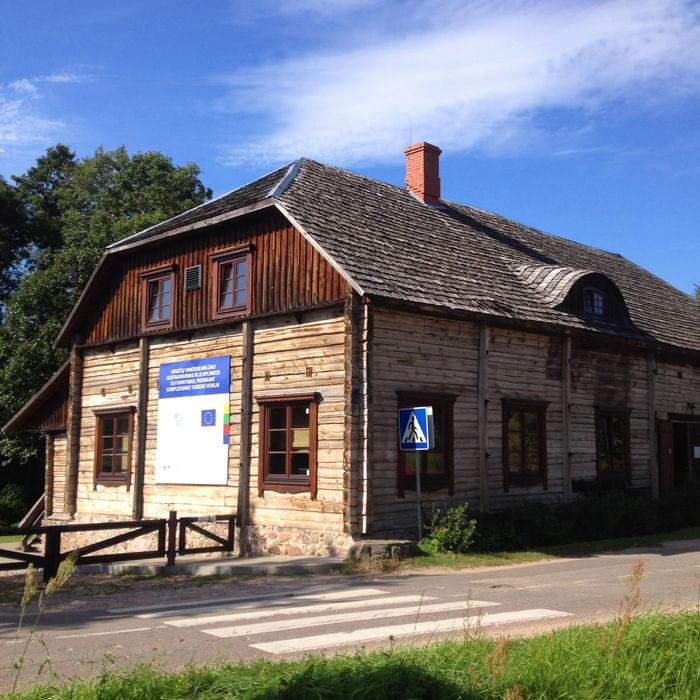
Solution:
(279, 189)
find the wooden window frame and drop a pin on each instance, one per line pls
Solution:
(612, 475)
(217, 261)
(287, 483)
(524, 478)
(157, 276)
(599, 301)
(428, 482)
(113, 413)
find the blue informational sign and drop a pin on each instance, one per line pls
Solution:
(416, 428)
(194, 377)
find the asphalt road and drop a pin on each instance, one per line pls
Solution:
(100, 622)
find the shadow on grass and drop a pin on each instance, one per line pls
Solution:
(395, 679)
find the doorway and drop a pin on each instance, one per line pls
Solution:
(679, 452)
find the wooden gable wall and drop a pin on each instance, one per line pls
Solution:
(288, 274)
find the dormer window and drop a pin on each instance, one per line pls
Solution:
(593, 302)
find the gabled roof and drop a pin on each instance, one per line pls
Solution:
(389, 245)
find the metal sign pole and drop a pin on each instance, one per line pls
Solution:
(419, 460)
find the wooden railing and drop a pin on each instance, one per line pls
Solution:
(33, 517)
(171, 540)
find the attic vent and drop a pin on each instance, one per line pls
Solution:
(193, 277)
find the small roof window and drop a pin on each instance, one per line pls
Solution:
(594, 302)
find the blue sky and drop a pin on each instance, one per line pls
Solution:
(580, 118)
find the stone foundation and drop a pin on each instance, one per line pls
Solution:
(293, 542)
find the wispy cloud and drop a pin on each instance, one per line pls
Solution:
(24, 106)
(465, 75)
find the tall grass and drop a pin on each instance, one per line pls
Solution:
(645, 657)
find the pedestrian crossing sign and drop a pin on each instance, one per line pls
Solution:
(416, 428)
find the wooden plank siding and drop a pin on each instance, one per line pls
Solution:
(296, 358)
(413, 352)
(420, 353)
(59, 456)
(677, 389)
(287, 274)
(524, 366)
(110, 378)
(290, 355)
(609, 380)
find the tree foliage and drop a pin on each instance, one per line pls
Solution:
(55, 223)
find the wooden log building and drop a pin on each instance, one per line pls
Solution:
(250, 356)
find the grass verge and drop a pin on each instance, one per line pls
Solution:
(651, 656)
(10, 538)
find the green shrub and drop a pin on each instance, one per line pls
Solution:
(12, 505)
(596, 516)
(450, 530)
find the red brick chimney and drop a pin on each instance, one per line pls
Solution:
(423, 171)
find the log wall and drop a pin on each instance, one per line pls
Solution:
(59, 457)
(609, 379)
(293, 358)
(420, 353)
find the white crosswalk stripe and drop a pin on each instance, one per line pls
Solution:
(350, 616)
(324, 641)
(339, 618)
(254, 613)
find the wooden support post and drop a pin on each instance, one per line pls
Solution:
(52, 553)
(566, 417)
(366, 419)
(172, 537)
(49, 475)
(353, 486)
(141, 427)
(75, 393)
(245, 427)
(651, 412)
(482, 415)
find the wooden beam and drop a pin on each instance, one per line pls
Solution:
(48, 478)
(75, 395)
(566, 416)
(653, 448)
(354, 486)
(482, 413)
(141, 428)
(245, 427)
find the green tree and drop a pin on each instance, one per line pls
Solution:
(697, 291)
(13, 238)
(71, 209)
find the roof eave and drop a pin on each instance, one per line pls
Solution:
(17, 422)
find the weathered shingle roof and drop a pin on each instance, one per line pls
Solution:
(389, 244)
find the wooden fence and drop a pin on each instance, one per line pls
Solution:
(171, 541)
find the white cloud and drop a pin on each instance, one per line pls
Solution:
(466, 76)
(24, 86)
